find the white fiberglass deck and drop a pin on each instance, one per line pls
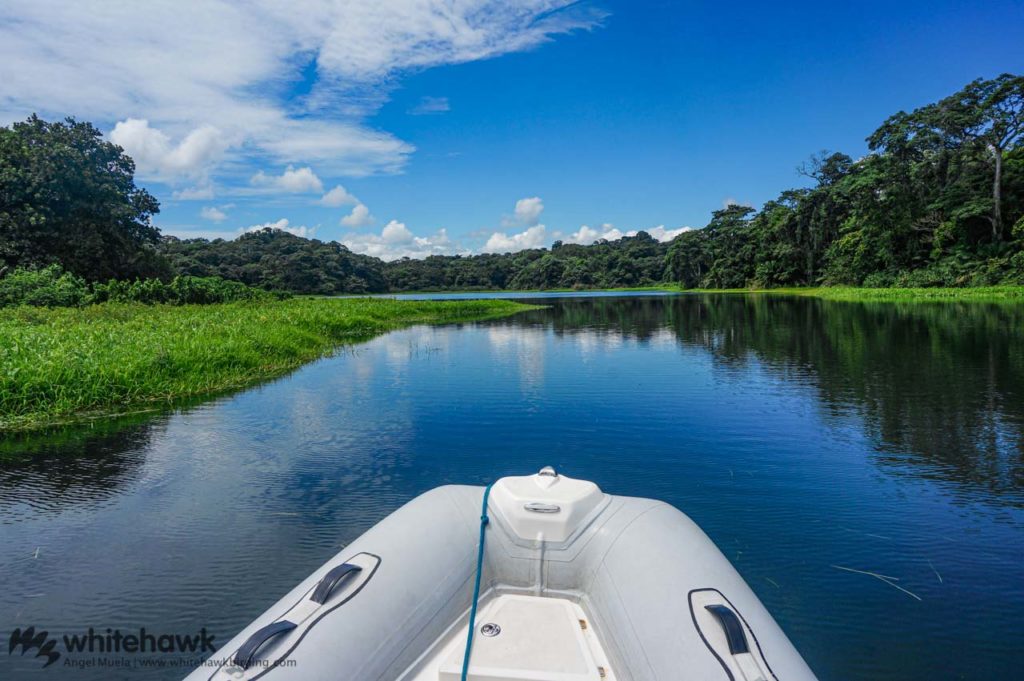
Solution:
(537, 639)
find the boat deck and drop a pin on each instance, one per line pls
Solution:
(521, 638)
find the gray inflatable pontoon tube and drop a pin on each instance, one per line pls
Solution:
(575, 585)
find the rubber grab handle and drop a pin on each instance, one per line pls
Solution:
(733, 628)
(326, 586)
(244, 657)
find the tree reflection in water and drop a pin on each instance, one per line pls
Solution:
(939, 386)
(76, 467)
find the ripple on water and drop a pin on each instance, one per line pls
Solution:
(800, 435)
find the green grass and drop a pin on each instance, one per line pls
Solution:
(979, 293)
(427, 292)
(65, 365)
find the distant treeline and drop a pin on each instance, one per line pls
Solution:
(938, 201)
(275, 259)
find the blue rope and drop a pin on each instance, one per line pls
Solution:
(476, 585)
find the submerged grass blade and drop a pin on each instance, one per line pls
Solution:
(865, 572)
(884, 578)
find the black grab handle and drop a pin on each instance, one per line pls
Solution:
(326, 586)
(243, 658)
(733, 628)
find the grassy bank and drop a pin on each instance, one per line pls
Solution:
(518, 291)
(69, 364)
(979, 293)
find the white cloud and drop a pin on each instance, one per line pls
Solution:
(189, 233)
(588, 235)
(293, 180)
(500, 242)
(527, 212)
(156, 156)
(200, 193)
(396, 232)
(662, 234)
(730, 201)
(192, 67)
(398, 241)
(284, 225)
(213, 213)
(367, 43)
(340, 148)
(359, 217)
(430, 105)
(339, 196)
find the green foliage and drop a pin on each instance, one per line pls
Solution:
(627, 262)
(69, 198)
(274, 259)
(65, 363)
(182, 290)
(927, 208)
(53, 287)
(938, 202)
(47, 287)
(976, 294)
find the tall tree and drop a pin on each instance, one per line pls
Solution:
(985, 116)
(68, 197)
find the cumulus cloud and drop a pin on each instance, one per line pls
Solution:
(292, 180)
(661, 233)
(157, 156)
(587, 235)
(501, 242)
(189, 233)
(170, 83)
(359, 217)
(396, 232)
(339, 196)
(284, 225)
(199, 193)
(398, 241)
(430, 105)
(527, 212)
(213, 213)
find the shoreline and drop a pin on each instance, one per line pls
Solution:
(62, 366)
(1008, 293)
(1014, 294)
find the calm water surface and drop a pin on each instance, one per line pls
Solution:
(800, 434)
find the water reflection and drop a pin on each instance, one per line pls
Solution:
(940, 386)
(76, 468)
(799, 433)
(936, 384)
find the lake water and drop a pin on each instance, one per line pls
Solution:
(800, 434)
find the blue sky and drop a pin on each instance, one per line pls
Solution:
(486, 126)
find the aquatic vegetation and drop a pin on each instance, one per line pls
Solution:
(987, 294)
(979, 293)
(67, 364)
